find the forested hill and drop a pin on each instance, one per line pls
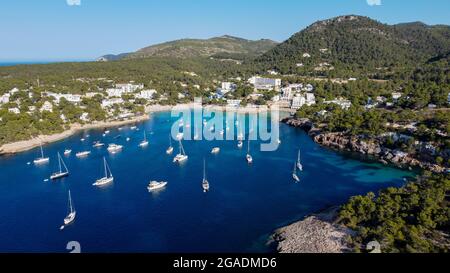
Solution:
(191, 48)
(358, 41)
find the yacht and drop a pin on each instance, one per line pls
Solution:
(294, 174)
(108, 178)
(67, 152)
(83, 139)
(98, 144)
(63, 171)
(155, 185)
(107, 132)
(169, 150)
(240, 144)
(83, 154)
(248, 156)
(181, 156)
(41, 159)
(133, 127)
(72, 213)
(205, 183)
(114, 148)
(144, 143)
(215, 150)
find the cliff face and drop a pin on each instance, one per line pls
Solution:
(363, 145)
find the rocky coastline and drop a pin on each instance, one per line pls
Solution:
(318, 233)
(365, 146)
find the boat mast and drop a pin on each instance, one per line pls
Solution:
(106, 171)
(204, 169)
(170, 140)
(70, 203)
(59, 163)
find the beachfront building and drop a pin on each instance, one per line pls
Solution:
(85, 117)
(47, 106)
(298, 101)
(110, 102)
(225, 88)
(265, 83)
(234, 103)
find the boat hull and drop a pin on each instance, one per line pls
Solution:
(103, 181)
(157, 187)
(41, 160)
(59, 175)
(70, 218)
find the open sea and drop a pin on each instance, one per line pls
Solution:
(245, 204)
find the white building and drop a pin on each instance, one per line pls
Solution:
(298, 101)
(14, 110)
(228, 86)
(84, 117)
(310, 99)
(122, 89)
(343, 103)
(69, 97)
(111, 102)
(5, 98)
(396, 95)
(234, 103)
(265, 83)
(306, 55)
(90, 95)
(47, 106)
(146, 94)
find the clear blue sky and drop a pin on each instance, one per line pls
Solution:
(54, 30)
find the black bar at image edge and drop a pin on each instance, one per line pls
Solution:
(218, 262)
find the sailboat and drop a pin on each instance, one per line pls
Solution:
(299, 165)
(108, 178)
(169, 150)
(294, 174)
(41, 159)
(205, 183)
(249, 157)
(144, 143)
(62, 173)
(72, 213)
(181, 156)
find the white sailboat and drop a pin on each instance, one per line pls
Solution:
(299, 165)
(72, 213)
(83, 154)
(249, 157)
(205, 183)
(67, 152)
(240, 144)
(215, 150)
(114, 148)
(98, 144)
(169, 150)
(108, 178)
(144, 143)
(181, 156)
(41, 159)
(294, 174)
(155, 185)
(62, 172)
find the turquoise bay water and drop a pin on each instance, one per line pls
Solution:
(245, 203)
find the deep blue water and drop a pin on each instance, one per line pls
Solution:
(245, 204)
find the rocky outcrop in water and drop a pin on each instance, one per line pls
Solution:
(315, 234)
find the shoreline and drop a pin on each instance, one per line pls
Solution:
(26, 145)
(316, 233)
